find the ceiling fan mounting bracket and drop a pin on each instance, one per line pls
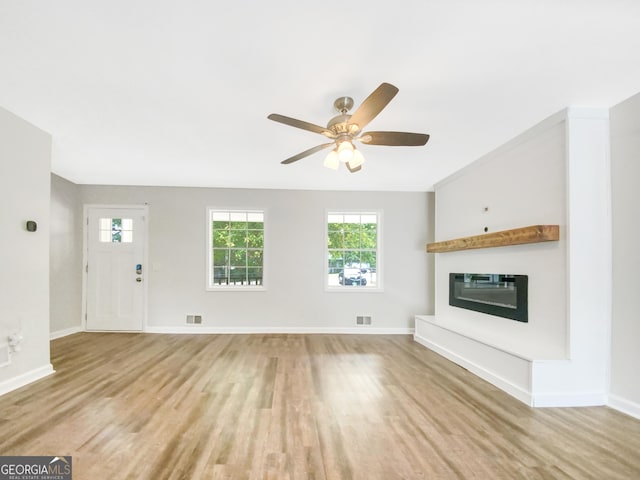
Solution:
(343, 104)
(339, 124)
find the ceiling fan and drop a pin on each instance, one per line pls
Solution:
(345, 129)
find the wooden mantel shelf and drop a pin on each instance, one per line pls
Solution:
(516, 236)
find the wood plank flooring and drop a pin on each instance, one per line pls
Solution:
(148, 406)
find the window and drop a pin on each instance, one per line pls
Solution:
(353, 241)
(236, 249)
(116, 230)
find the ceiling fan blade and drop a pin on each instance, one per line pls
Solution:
(292, 122)
(306, 153)
(373, 105)
(395, 139)
(354, 169)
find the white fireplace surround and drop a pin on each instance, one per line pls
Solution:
(561, 356)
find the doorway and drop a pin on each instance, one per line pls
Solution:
(115, 268)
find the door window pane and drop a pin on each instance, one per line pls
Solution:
(115, 230)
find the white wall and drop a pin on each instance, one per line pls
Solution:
(295, 299)
(65, 257)
(555, 173)
(521, 184)
(625, 180)
(584, 378)
(25, 157)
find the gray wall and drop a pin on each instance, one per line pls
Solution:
(295, 298)
(625, 181)
(25, 163)
(66, 256)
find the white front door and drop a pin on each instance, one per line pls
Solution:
(115, 270)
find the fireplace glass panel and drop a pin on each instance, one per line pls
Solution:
(500, 294)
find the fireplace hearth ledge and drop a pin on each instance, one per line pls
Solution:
(515, 372)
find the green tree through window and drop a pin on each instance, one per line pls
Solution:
(237, 248)
(352, 249)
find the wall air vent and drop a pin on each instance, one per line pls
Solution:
(194, 319)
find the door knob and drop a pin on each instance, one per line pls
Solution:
(138, 279)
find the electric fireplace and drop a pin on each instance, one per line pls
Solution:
(500, 294)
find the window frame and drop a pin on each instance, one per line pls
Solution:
(379, 261)
(209, 253)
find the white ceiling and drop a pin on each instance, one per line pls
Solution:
(155, 92)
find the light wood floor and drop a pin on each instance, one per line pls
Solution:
(145, 406)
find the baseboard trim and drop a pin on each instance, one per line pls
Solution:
(65, 332)
(26, 378)
(503, 384)
(282, 330)
(586, 399)
(623, 405)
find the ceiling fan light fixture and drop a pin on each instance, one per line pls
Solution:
(357, 159)
(332, 161)
(345, 151)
